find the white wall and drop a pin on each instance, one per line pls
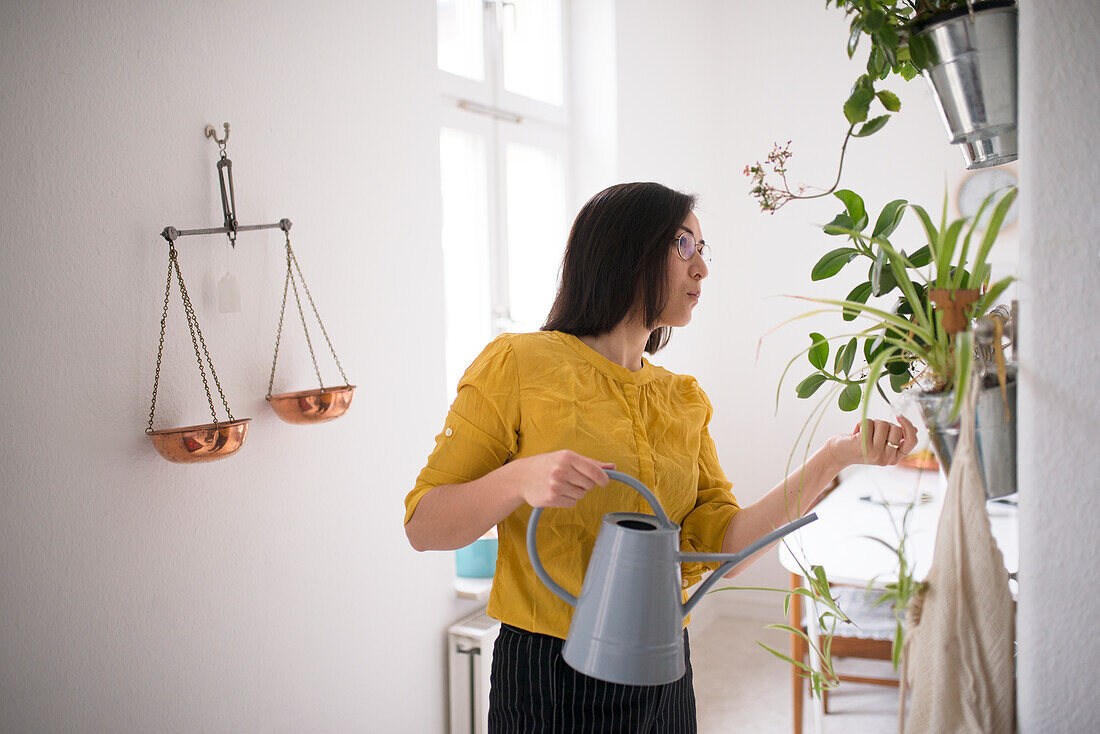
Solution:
(705, 88)
(1059, 373)
(275, 590)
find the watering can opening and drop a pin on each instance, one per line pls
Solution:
(633, 524)
(627, 625)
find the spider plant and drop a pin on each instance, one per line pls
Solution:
(906, 344)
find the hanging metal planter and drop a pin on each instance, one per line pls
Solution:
(321, 404)
(994, 433)
(994, 409)
(202, 443)
(973, 78)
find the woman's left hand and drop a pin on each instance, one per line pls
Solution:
(885, 443)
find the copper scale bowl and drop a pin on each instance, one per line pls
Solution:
(312, 406)
(196, 444)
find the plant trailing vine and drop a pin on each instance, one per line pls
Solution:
(895, 50)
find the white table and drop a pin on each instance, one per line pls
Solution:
(851, 515)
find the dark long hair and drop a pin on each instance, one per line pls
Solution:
(617, 256)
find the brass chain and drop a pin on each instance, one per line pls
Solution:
(279, 333)
(316, 314)
(160, 347)
(302, 315)
(193, 325)
(196, 340)
(288, 283)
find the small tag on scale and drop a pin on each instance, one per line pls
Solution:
(229, 294)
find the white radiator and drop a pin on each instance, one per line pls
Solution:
(470, 658)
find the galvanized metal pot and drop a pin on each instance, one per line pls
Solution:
(973, 78)
(994, 434)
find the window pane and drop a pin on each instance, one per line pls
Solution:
(537, 229)
(533, 50)
(463, 170)
(460, 38)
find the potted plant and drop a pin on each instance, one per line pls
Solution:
(924, 342)
(967, 52)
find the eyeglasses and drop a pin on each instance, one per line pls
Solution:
(686, 247)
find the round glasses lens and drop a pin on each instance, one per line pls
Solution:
(686, 245)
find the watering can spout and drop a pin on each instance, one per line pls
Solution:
(731, 560)
(627, 623)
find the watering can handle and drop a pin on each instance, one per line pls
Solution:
(536, 513)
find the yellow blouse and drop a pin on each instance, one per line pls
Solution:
(528, 394)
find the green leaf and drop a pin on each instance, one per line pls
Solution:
(859, 102)
(860, 294)
(849, 398)
(872, 127)
(994, 227)
(800, 665)
(832, 262)
(873, 19)
(809, 386)
(948, 241)
(921, 257)
(899, 381)
(819, 352)
(889, 100)
(853, 203)
(875, 274)
(889, 218)
(876, 62)
(871, 347)
(840, 225)
(897, 367)
(853, 37)
(874, 372)
(886, 37)
(994, 292)
(849, 352)
(921, 52)
(964, 361)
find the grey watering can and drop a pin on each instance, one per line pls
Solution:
(627, 627)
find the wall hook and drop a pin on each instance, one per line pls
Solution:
(213, 133)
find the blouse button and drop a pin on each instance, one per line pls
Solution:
(685, 583)
(448, 432)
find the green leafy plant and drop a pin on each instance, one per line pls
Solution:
(905, 344)
(895, 51)
(818, 591)
(898, 593)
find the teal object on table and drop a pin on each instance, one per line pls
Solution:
(477, 560)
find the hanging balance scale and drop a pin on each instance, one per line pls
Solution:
(220, 439)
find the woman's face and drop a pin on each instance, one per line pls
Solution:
(684, 277)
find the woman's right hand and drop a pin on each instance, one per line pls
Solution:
(558, 478)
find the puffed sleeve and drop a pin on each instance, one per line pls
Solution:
(481, 429)
(704, 527)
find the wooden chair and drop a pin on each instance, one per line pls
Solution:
(871, 648)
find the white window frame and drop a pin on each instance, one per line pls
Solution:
(486, 108)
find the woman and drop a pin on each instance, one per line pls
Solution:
(538, 420)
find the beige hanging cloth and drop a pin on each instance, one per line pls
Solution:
(960, 631)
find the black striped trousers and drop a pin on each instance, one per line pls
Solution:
(534, 691)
